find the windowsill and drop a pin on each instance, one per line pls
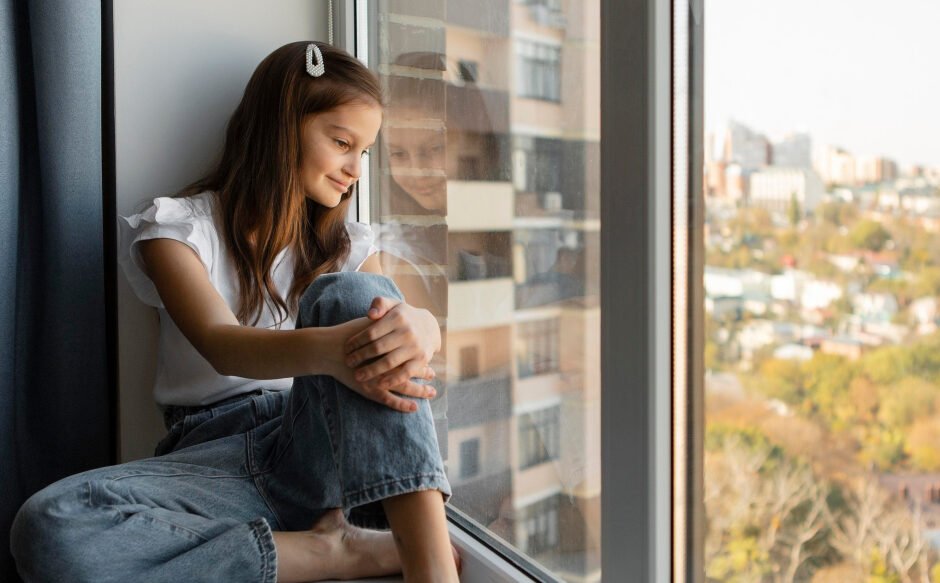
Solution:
(480, 564)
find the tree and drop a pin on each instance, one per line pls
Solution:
(827, 380)
(870, 235)
(766, 512)
(837, 213)
(905, 401)
(879, 534)
(782, 379)
(923, 444)
(928, 282)
(852, 519)
(794, 211)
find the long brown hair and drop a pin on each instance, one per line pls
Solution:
(262, 202)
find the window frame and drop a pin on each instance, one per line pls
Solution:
(636, 151)
(650, 518)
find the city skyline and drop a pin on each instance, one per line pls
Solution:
(850, 73)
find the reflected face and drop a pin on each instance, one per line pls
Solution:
(333, 145)
(416, 161)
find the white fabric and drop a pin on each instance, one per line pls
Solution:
(184, 377)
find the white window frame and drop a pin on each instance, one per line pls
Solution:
(651, 525)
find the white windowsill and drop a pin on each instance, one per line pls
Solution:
(480, 564)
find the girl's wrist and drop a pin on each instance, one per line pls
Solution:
(320, 349)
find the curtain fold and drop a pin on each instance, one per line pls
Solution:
(55, 401)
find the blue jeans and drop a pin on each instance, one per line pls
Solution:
(274, 461)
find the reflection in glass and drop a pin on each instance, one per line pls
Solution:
(487, 214)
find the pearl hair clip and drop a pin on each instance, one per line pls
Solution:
(315, 70)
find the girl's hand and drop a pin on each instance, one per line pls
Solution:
(389, 395)
(402, 340)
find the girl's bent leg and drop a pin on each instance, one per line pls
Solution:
(193, 515)
(420, 528)
(335, 448)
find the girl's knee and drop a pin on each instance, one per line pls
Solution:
(334, 298)
(42, 531)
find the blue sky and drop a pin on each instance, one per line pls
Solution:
(860, 74)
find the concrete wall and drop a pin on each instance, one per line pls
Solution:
(180, 68)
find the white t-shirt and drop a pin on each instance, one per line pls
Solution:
(184, 377)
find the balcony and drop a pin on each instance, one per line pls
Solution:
(479, 206)
(489, 16)
(480, 400)
(482, 303)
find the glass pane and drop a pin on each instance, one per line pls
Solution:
(486, 203)
(822, 448)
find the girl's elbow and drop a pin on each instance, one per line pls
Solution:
(223, 366)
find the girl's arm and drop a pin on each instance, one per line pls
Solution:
(206, 321)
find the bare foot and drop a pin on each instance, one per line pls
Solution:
(334, 549)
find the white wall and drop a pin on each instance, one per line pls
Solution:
(179, 70)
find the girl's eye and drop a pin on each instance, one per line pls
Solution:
(342, 143)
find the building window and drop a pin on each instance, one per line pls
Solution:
(538, 347)
(539, 165)
(539, 71)
(469, 362)
(540, 521)
(539, 436)
(469, 458)
(468, 71)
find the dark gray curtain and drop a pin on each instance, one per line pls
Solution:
(55, 400)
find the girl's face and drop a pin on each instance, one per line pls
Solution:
(416, 157)
(333, 145)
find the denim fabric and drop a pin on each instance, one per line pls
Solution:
(235, 472)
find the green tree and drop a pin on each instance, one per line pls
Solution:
(839, 214)
(923, 444)
(868, 234)
(928, 282)
(887, 365)
(905, 401)
(781, 379)
(828, 378)
(794, 211)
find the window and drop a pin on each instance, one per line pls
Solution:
(468, 71)
(819, 342)
(475, 129)
(538, 347)
(540, 165)
(469, 362)
(539, 435)
(469, 458)
(540, 524)
(539, 75)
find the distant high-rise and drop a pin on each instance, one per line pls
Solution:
(837, 166)
(875, 169)
(794, 150)
(746, 148)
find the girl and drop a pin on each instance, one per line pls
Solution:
(285, 370)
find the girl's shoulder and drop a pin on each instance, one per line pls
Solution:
(189, 220)
(169, 210)
(359, 231)
(361, 245)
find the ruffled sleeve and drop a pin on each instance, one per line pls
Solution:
(361, 245)
(187, 220)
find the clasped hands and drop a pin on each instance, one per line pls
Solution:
(383, 352)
